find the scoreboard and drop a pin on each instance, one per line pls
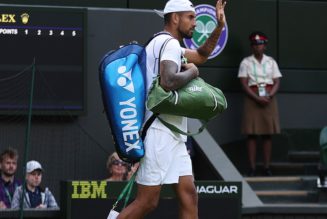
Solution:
(38, 22)
(55, 39)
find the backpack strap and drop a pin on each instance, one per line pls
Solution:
(147, 125)
(175, 129)
(155, 35)
(154, 116)
(168, 125)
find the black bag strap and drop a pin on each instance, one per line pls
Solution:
(175, 129)
(147, 125)
(155, 35)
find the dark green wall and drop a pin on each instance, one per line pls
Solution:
(72, 3)
(292, 26)
(77, 148)
(302, 35)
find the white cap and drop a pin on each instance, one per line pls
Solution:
(176, 6)
(33, 165)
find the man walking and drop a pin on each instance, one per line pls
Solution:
(166, 160)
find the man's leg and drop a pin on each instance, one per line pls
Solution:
(187, 197)
(146, 200)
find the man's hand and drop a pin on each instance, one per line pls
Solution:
(201, 55)
(192, 67)
(220, 13)
(171, 79)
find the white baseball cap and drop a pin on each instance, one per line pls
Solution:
(176, 6)
(33, 165)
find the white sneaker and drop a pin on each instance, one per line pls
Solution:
(113, 214)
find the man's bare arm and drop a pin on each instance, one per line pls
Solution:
(171, 79)
(200, 55)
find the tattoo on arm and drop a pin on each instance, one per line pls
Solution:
(171, 79)
(210, 44)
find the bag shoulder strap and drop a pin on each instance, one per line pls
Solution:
(155, 35)
(147, 125)
(161, 51)
(126, 192)
(154, 116)
(175, 129)
(168, 125)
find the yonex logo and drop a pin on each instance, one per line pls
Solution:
(124, 78)
(206, 22)
(128, 112)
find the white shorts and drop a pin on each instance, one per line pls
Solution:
(165, 160)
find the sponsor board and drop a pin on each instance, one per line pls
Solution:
(104, 190)
(94, 199)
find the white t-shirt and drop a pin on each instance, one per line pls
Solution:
(172, 52)
(258, 73)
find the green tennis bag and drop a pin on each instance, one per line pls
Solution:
(197, 99)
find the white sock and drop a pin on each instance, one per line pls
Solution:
(113, 214)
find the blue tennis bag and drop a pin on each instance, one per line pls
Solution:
(122, 79)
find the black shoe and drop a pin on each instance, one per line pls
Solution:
(267, 172)
(251, 172)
